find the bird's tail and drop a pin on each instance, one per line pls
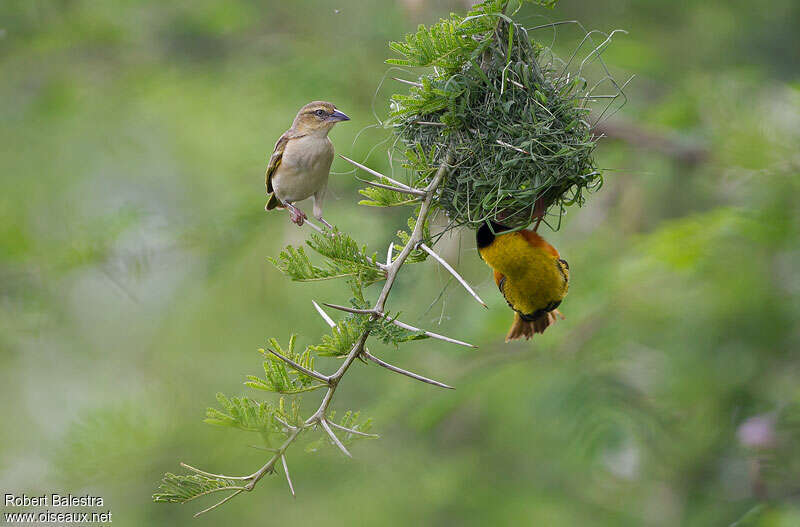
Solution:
(527, 328)
(273, 202)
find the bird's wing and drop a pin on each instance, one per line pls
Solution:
(500, 280)
(275, 161)
(277, 156)
(563, 268)
(537, 241)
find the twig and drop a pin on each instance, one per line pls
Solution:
(352, 431)
(407, 373)
(284, 423)
(410, 83)
(512, 147)
(389, 254)
(286, 471)
(454, 273)
(227, 498)
(351, 309)
(374, 172)
(210, 475)
(412, 191)
(335, 439)
(313, 226)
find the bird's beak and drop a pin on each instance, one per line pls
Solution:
(337, 116)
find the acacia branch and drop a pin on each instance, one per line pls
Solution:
(380, 362)
(392, 268)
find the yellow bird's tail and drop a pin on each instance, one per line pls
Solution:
(527, 328)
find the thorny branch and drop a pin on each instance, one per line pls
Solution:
(359, 350)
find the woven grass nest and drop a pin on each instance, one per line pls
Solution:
(516, 131)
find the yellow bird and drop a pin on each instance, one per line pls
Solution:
(299, 165)
(529, 273)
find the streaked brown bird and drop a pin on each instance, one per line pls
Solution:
(299, 165)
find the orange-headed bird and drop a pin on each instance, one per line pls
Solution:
(529, 272)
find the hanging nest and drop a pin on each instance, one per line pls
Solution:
(516, 129)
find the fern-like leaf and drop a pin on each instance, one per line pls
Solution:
(389, 333)
(244, 414)
(177, 488)
(417, 255)
(342, 337)
(279, 377)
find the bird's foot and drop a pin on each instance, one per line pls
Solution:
(297, 215)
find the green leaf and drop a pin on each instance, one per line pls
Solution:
(244, 414)
(344, 258)
(343, 337)
(176, 488)
(280, 377)
(417, 255)
(388, 333)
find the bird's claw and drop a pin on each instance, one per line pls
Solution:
(297, 216)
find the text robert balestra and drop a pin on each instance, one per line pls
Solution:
(52, 500)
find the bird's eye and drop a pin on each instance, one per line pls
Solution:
(320, 113)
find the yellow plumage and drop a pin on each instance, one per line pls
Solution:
(530, 274)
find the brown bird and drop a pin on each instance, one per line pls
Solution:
(301, 161)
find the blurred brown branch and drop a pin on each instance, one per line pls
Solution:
(674, 146)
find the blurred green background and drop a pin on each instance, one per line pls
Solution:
(134, 282)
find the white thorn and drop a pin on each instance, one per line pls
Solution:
(454, 273)
(389, 254)
(374, 172)
(286, 470)
(323, 314)
(335, 439)
(407, 373)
